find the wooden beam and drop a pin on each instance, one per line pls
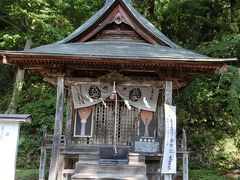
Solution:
(168, 100)
(57, 129)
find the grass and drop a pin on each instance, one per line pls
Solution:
(30, 174)
(211, 175)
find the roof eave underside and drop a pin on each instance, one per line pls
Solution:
(138, 18)
(120, 63)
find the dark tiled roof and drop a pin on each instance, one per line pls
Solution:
(120, 49)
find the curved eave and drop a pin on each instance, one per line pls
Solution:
(47, 60)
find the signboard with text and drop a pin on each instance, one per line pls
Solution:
(170, 150)
(146, 145)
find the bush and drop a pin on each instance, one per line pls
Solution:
(226, 154)
(31, 174)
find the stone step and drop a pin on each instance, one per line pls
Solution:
(88, 158)
(108, 177)
(93, 157)
(135, 158)
(103, 169)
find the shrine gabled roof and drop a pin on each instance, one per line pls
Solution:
(136, 15)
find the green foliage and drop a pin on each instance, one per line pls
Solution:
(193, 22)
(38, 99)
(226, 154)
(28, 153)
(40, 20)
(152, 9)
(210, 113)
(212, 102)
(6, 86)
(6, 80)
(79, 11)
(226, 46)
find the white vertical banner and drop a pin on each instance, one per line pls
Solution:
(169, 163)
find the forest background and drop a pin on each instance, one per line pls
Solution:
(208, 108)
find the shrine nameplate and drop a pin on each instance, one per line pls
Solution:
(146, 145)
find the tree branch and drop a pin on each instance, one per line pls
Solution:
(6, 21)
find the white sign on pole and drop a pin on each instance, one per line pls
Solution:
(9, 132)
(8, 151)
(169, 162)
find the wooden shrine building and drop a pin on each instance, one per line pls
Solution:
(116, 72)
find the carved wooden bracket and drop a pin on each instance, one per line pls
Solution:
(114, 76)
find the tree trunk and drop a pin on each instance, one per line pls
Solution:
(19, 81)
(151, 8)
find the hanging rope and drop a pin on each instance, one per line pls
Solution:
(115, 119)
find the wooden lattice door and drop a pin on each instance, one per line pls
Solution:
(127, 123)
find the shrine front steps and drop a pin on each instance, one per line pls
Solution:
(109, 171)
(88, 168)
(108, 177)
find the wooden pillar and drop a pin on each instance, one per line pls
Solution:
(68, 130)
(57, 129)
(160, 133)
(185, 156)
(168, 92)
(168, 100)
(161, 121)
(60, 167)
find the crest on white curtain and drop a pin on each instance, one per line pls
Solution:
(144, 98)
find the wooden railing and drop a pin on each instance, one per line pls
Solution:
(47, 141)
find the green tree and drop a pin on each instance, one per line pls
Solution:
(29, 23)
(192, 22)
